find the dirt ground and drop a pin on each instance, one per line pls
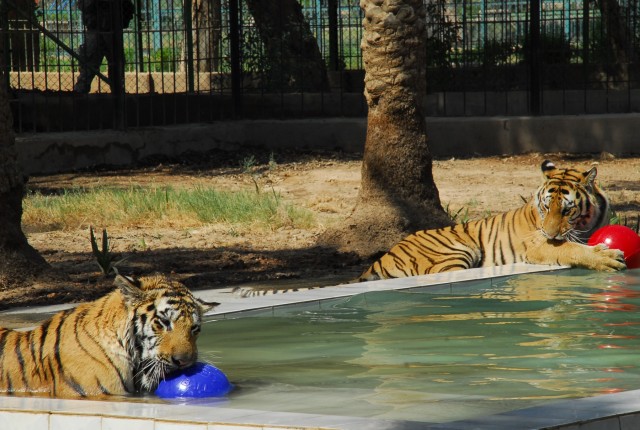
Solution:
(327, 184)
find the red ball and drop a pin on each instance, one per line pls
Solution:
(622, 238)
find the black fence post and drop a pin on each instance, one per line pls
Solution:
(189, 42)
(139, 41)
(234, 48)
(6, 54)
(333, 35)
(116, 75)
(585, 51)
(534, 55)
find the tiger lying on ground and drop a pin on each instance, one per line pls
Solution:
(122, 343)
(566, 209)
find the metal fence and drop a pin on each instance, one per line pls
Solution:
(204, 60)
(536, 57)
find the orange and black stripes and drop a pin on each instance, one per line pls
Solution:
(93, 350)
(566, 207)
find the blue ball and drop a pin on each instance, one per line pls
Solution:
(199, 380)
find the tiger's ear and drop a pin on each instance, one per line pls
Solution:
(546, 167)
(590, 176)
(207, 306)
(128, 286)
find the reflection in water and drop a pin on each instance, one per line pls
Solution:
(431, 356)
(529, 338)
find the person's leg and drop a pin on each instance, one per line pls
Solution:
(115, 60)
(91, 53)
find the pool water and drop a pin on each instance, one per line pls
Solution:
(437, 354)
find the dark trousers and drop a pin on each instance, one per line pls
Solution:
(98, 45)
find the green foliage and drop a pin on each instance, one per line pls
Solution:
(555, 48)
(164, 60)
(272, 162)
(495, 52)
(130, 59)
(633, 224)
(105, 259)
(460, 216)
(441, 44)
(248, 164)
(465, 215)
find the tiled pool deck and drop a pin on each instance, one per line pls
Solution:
(620, 411)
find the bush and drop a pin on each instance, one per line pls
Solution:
(494, 52)
(554, 49)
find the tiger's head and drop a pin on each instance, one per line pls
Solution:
(570, 203)
(165, 322)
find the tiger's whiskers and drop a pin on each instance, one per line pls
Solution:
(151, 372)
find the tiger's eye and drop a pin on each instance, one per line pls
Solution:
(165, 323)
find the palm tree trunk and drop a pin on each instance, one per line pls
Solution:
(18, 260)
(398, 195)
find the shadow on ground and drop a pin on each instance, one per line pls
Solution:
(196, 268)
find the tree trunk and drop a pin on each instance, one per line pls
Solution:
(398, 195)
(19, 262)
(294, 59)
(618, 42)
(207, 22)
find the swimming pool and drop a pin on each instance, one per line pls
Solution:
(440, 353)
(246, 410)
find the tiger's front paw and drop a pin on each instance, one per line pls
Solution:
(607, 260)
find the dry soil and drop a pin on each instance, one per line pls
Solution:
(327, 184)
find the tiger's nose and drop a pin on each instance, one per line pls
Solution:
(183, 360)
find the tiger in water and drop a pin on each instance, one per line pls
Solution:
(550, 228)
(123, 343)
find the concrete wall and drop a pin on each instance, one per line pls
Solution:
(618, 134)
(448, 137)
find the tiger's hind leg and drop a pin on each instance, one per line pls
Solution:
(452, 264)
(368, 275)
(392, 265)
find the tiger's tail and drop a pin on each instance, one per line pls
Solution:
(246, 292)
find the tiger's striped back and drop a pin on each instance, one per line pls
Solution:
(121, 343)
(565, 210)
(487, 242)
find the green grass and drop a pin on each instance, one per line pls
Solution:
(464, 215)
(159, 207)
(633, 222)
